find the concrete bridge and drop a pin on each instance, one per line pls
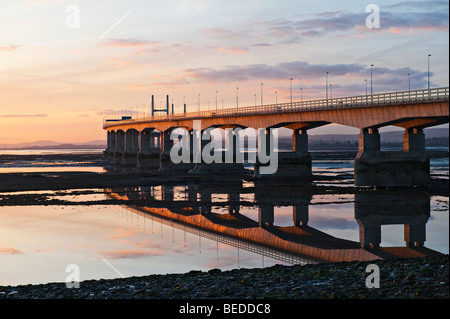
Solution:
(145, 142)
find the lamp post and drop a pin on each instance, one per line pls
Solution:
(429, 55)
(216, 100)
(371, 79)
(291, 90)
(326, 86)
(237, 97)
(262, 94)
(276, 97)
(409, 82)
(365, 80)
(331, 91)
(301, 94)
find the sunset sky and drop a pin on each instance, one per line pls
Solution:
(67, 64)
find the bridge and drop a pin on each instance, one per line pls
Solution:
(146, 143)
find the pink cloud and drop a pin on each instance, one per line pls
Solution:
(232, 50)
(9, 48)
(121, 234)
(120, 64)
(123, 43)
(11, 251)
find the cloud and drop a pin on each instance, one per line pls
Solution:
(12, 251)
(122, 234)
(124, 43)
(225, 34)
(9, 48)
(232, 50)
(120, 64)
(417, 16)
(23, 115)
(276, 72)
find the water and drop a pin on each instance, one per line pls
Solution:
(160, 235)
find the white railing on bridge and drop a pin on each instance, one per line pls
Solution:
(311, 105)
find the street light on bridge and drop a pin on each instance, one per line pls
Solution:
(291, 90)
(409, 82)
(262, 94)
(429, 55)
(371, 81)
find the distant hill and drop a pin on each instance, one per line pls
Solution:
(55, 145)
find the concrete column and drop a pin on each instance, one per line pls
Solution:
(408, 168)
(414, 141)
(369, 141)
(148, 156)
(167, 193)
(144, 142)
(233, 198)
(112, 144)
(120, 145)
(290, 165)
(205, 201)
(266, 216)
(166, 142)
(369, 235)
(131, 148)
(166, 163)
(300, 142)
(415, 234)
(218, 163)
(301, 215)
(108, 142)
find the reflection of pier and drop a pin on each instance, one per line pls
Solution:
(190, 207)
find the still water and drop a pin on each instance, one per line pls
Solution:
(190, 227)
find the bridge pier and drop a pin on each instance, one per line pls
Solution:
(149, 151)
(293, 164)
(166, 163)
(107, 151)
(129, 156)
(266, 215)
(119, 148)
(373, 210)
(375, 168)
(212, 161)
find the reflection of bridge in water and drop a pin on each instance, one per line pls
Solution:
(189, 207)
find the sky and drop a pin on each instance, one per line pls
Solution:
(65, 65)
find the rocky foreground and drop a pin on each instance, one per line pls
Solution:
(415, 278)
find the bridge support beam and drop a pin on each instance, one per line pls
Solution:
(373, 210)
(375, 168)
(149, 151)
(129, 157)
(119, 148)
(220, 162)
(107, 151)
(166, 163)
(266, 215)
(293, 164)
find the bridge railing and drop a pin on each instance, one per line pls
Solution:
(311, 105)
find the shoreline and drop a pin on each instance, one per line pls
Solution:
(414, 278)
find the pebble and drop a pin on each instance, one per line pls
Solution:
(417, 278)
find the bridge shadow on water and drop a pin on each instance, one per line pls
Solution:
(216, 210)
